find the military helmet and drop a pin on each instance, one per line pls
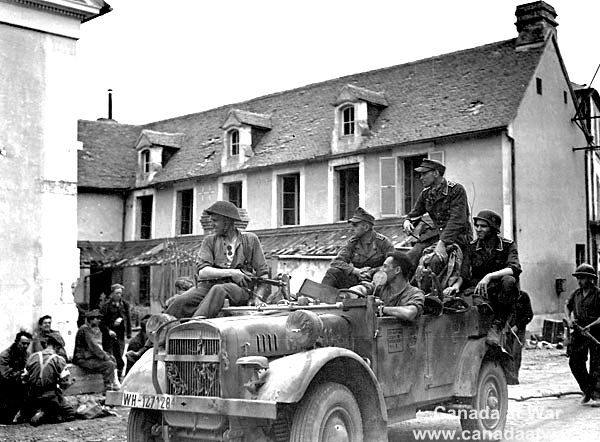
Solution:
(586, 270)
(489, 216)
(224, 208)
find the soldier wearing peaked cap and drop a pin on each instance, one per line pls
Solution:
(583, 309)
(361, 256)
(447, 205)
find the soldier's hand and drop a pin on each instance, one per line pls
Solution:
(364, 273)
(482, 287)
(240, 278)
(440, 251)
(408, 227)
(450, 291)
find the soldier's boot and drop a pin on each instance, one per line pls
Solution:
(38, 418)
(494, 334)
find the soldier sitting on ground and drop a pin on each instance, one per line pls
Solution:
(47, 376)
(228, 262)
(400, 299)
(490, 271)
(40, 337)
(361, 256)
(12, 370)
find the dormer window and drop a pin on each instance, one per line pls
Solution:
(348, 120)
(234, 142)
(146, 161)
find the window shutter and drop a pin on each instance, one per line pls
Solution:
(437, 156)
(387, 173)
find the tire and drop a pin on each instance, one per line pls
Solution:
(490, 403)
(139, 425)
(328, 412)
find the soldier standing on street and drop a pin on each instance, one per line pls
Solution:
(582, 312)
(361, 256)
(115, 325)
(447, 205)
(490, 271)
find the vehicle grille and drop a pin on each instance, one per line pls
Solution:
(198, 377)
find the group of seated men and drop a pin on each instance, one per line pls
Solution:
(486, 268)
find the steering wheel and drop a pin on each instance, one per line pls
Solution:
(354, 292)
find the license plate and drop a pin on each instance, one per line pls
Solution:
(153, 401)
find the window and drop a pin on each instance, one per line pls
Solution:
(348, 181)
(579, 254)
(290, 199)
(234, 142)
(348, 120)
(146, 161)
(387, 173)
(144, 294)
(233, 193)
(412, 181)
(565, 96)
(538, 85)
(144, 204)
(185, 211)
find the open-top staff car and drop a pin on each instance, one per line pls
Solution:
(312, 373)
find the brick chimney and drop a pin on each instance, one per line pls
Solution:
(535, 22)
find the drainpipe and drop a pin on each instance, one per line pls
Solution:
(124, 194)
(588, 210)
(513, 191)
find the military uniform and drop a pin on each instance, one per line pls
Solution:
(368, 250)
(448, 207)
(480, 260)
(585, 309)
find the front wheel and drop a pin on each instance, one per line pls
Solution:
(141, 424)
(328, 413)
(490, 404)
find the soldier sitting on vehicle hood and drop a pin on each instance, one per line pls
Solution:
(228, 262)
(400, 299)
(361, 256)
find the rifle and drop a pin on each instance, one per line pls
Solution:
(568, 335)
(585, 333)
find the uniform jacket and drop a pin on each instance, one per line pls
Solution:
(248, 254)
(479, 262)
(112, 311)
(448, 207)
(12, 363)
(88, 344)
(369, 250)
(40, 339)
(585, 309)
(47, 370)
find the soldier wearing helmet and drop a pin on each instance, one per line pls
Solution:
(226, 260)
(490, 271)
(583, 310)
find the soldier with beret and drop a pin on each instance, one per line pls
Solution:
(583, 309)
(361, 256)
(490, 272)
(447, 205)
(227, 261)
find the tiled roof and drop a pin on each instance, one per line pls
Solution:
(316, 241)
(360, 93)
(466, 91)
(108, 159)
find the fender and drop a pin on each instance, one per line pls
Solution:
(289, 377)
(139, 378)
(470, 362)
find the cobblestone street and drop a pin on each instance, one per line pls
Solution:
(545, 407)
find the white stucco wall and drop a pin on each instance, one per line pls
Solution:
(38, 132)
(550, 187)
(99, 217)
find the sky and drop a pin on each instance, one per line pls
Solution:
(164, 59)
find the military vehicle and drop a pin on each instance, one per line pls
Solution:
(319, 372)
